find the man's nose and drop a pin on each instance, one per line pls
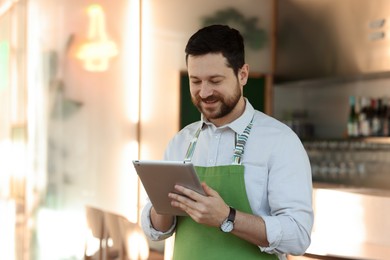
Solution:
(205, 90)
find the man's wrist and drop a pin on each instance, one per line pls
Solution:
(226, 214)
(228, 224)
(161, 222)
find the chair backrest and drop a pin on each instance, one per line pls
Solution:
(114, 230)
(134, 239)
(95, 221)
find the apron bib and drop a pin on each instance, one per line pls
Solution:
(194, 241)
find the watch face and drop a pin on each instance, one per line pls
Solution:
(227, 226)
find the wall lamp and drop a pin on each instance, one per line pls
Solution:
(98, 49)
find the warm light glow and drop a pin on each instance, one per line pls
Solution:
(37, 105)
(6, 6)
(131, 66)
(7, 227)
(61, 233)
(130, 180)
(13, 169)
(339, 211)
(18, 158)
(5, 168)
(98, 49)
(148, 63)
(91, 244)
(131, 53)
(161, 48)
(139, 248)
(168, 247)
(339, 222)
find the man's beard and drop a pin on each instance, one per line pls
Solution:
(226, 104)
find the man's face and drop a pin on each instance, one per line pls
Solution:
(215, 89)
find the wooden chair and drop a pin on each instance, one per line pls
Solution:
(110, 227)
(114, 232)
(95, 221)
(134, 239)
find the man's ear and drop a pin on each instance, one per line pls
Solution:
(243, 74)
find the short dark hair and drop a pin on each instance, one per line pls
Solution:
(218, 39)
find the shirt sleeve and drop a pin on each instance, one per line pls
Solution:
(174, 151)
(148, 228)
(290, 222)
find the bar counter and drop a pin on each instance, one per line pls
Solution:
(350, 223)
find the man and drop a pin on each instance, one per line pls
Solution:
(254, 169)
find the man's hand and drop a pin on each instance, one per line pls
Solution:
(212, 210)
(209, 210)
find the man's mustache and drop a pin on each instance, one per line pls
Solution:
(209, 99)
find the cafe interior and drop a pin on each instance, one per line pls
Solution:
(86, 87)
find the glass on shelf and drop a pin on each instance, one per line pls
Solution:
(355, 162)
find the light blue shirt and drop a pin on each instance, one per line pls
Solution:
(277, 176)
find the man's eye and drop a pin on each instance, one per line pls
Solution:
(197, 82)
(215, 82)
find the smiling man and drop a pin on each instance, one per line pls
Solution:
(254, 170)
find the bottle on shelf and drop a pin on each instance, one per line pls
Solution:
(352, 126)
(375, 118)
(368, 117)
(364, 122)
(385, 117)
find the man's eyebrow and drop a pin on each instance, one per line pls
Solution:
(218, 76)
(210, 77)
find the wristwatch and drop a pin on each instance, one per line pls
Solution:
(228, 224)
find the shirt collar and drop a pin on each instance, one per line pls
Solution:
(240, 123)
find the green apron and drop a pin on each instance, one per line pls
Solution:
(198, 242)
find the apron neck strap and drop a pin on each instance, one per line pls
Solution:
(238, 150)
(191, 147)
(240, 143)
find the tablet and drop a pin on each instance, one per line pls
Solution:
(159, 179)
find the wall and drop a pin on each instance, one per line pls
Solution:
(86, 123)
(86, 115)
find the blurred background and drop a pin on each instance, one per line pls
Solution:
(88, 86)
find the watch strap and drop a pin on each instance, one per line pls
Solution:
(232, 214)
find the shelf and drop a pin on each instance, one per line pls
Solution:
(368, 139)
(357, 190)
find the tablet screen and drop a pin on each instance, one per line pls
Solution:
(159, 179)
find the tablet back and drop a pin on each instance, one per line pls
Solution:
(159, 179)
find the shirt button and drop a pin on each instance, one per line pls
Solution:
(211, 161)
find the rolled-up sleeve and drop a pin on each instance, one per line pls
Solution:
(290, 198)
(171, 153)
(148, 228)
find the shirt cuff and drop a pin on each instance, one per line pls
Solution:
(148, 228)
(274, 234)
